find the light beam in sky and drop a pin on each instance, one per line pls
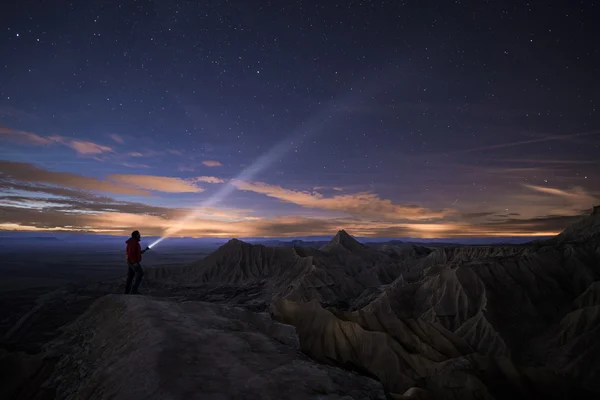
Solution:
(313, 126)
(256, 167)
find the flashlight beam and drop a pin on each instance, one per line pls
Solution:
(313, 126)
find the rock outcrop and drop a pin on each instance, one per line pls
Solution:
(131, 347)
(443, 322)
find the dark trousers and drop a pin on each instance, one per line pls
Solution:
(133, 270)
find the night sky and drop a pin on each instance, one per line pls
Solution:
(386, 118)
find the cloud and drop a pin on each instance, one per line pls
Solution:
(209, 179)
(32, 198)
(211, 163)
(12, 112)
(32, 174)
(360, 204)
(572, 202)
(157, 183)
(117, 138)
(82, 147)
(132, 165)
(24, 137)
(85, 147)
(531, 141)
(546, 161)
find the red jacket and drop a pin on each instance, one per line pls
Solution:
(134, 250)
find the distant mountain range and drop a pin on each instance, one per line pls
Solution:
(302, 241)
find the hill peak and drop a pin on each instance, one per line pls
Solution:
(346, 240)
(234, 243)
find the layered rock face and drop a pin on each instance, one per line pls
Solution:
(455, 321)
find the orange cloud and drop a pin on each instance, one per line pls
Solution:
(30, 173)
(211, 163)
(84, 147)
(361, 204)
(157, 183)
(24, 137)
(532, 211)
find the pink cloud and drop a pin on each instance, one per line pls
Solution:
(117, 138)
(211, 163)
(31, 173)
(157, 183)
(85, 147)
(24, 137)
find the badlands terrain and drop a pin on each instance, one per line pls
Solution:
(342, 320)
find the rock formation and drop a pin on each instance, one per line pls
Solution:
(443, 322)
(132, 347)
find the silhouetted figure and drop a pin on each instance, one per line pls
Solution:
(134, 258)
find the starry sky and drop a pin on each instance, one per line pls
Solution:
(243, 118)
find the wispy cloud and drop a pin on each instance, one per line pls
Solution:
(361, 204)
(115, 183)
(12, 112)
(82, 147)
(577, 195)
(23, 137)
(540, 201)
(117, 138)
(211, 163)
(208, 179)
(30, 173)
(33, 198)
(85, 147)
(157, 183)
(542, 139)
(547, 161)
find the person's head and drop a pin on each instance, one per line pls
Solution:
(136, 235)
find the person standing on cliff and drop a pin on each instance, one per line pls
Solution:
(134, 258)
